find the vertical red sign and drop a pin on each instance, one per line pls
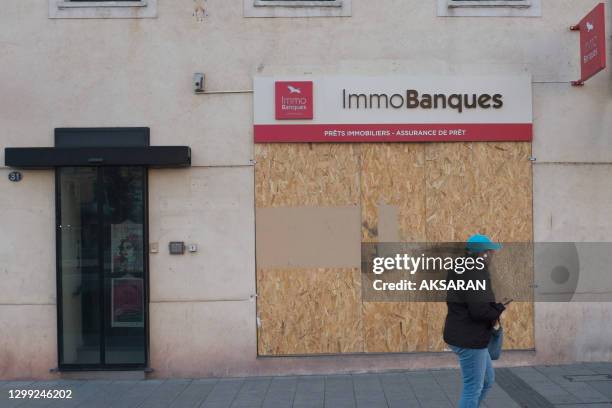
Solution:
(592, 43)
(294, 100)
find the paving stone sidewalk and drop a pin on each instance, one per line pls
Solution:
(587, 385)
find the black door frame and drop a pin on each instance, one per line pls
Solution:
(59, 299)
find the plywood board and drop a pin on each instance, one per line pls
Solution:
(436, 315)
(395, 326)
(301, 174)
(392, 174)
(518, 324)
(478, 187)
(483, 188)
(309, 311)
(407, 192)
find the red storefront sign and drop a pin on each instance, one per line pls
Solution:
(592, 43)
(293, 100)
(465, 132)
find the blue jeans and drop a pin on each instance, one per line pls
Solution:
(478, 375)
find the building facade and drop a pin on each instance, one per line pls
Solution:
(262, 276)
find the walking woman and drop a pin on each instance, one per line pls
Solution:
(469, 325)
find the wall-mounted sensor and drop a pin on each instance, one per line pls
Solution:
(192, 248)
(198, 82)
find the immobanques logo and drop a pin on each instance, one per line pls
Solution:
(294, 100)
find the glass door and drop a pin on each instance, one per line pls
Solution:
(102, 267)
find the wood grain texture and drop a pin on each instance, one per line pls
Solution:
(393, 174)
(484, 188)
(395, 326)
(440, 192)
(309, 311)
(303, 174)
(478, 187)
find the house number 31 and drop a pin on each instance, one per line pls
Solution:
(15, 176)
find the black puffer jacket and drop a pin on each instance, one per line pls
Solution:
(471, 314)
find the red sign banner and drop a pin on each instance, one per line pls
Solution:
(293, 100)
(484, 132)
(592, 43)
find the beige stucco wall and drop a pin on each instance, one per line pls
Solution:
(56, 72)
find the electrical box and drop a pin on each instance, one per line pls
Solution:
(176, 247)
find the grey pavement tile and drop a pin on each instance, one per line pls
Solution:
(496, 392)
(427, 390)
(576, 368)
(280, 393)
(82, 393)
(554, 393)
(435, 404)
(165, 394)
(529, 374)
(603, 387)
(252, 393)
(114, 392)
(583, 391)
(194, 394)
(67, 386)
(500, 403)
(600, 368)
(450, 382)
(99, 397)
(339, 391)
(398, 391)
(223, 393)
(309, 392)
(568, 369)
(137, 394)
(369, 392)
(544, 385)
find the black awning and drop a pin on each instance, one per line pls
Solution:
(48, 157)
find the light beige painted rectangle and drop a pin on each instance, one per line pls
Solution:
(202, 339)
(212, 208)
(309, 237)
(27, 238)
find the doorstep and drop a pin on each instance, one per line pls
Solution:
(103, 375)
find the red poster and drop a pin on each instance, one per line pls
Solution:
(592, 42)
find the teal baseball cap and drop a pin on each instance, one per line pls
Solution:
(480, 243)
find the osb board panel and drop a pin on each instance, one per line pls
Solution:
(517, 320)
(309, 311)
(306, 174)
(440, 192)
(393, 174)
(395, 326)
(478, 187)
(518, 324)
(485, 188)
(436, 315)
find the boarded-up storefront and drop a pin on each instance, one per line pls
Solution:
(316, 203)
